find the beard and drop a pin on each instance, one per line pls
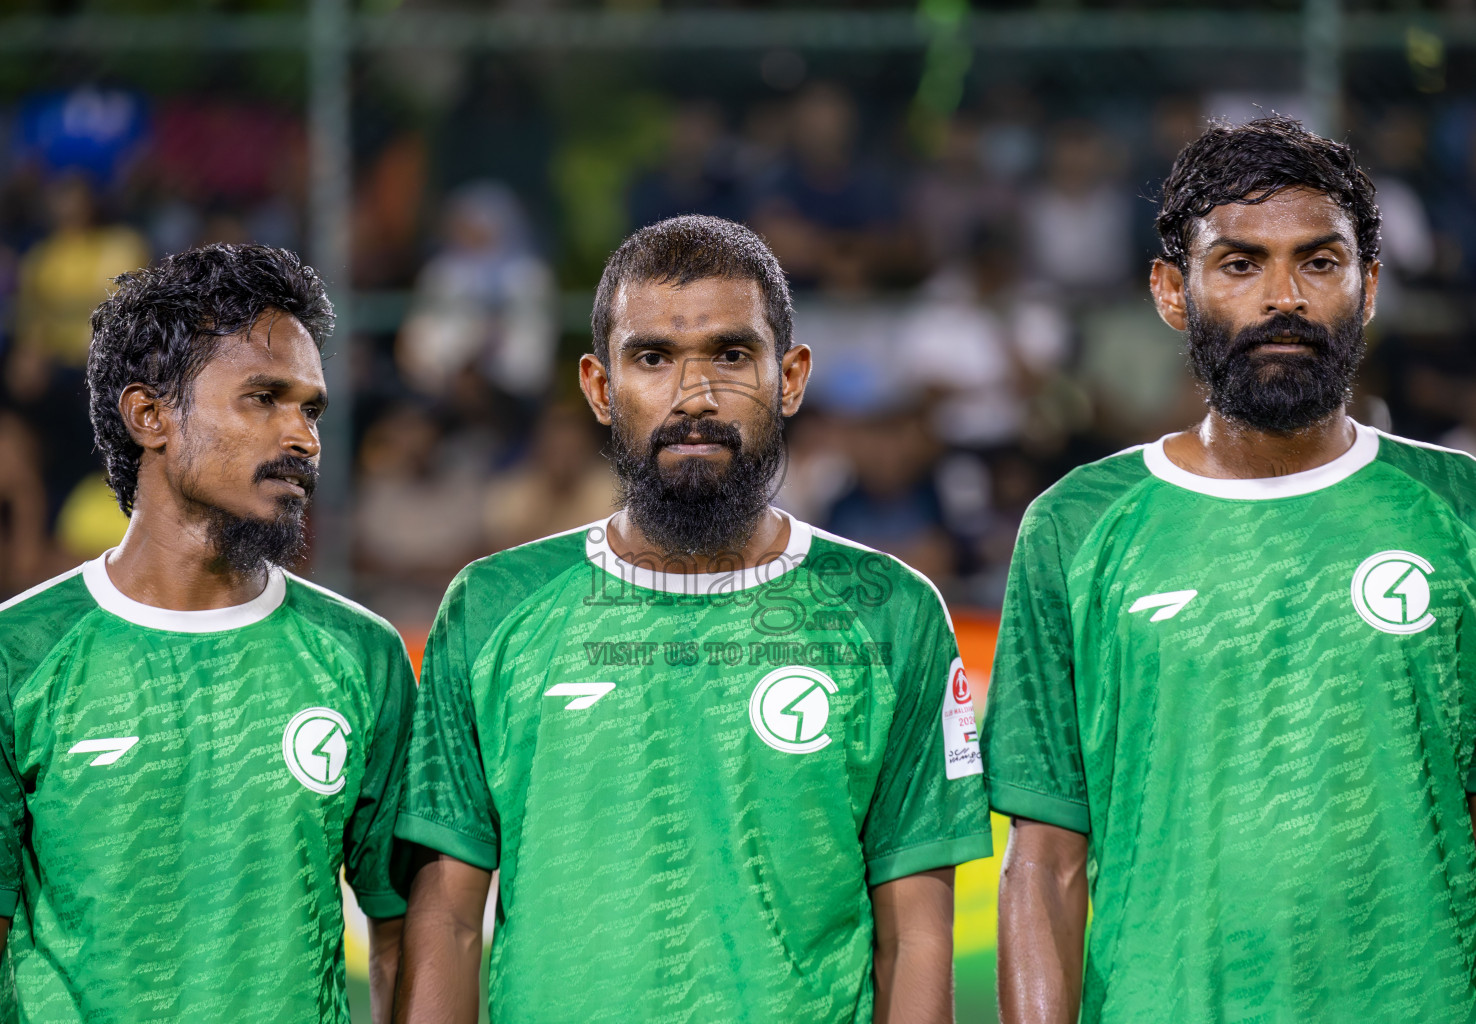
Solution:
(248, 545)
(1276, 392)
(696, 508)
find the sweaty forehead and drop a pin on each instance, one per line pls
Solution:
(277, 344)
(709, 305)
(1285, 220)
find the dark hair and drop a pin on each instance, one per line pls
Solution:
(686, 249)
(1252, 162)
(164, 323)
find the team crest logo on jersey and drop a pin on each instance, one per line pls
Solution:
(315, 747)
(958, 682)
(790, 708)
(1391, 592)
(960, 730)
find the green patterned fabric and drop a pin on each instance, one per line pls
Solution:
(180, 791)
(1258, 699)
(689, 781)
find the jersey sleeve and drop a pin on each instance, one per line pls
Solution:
(1032, 748)
(12, 803)
(447, 805)
(929, 809)
(371, 867)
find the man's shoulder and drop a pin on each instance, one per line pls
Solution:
(1074, 504)
(1448, 472)
(879, 586)
(36, 618)
(59, 597)
(831, 552)
(362, 632)
(494, 586)
(528, 566)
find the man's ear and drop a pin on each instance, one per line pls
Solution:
(794, 370)
(1370, 289)
(147, 418)
(594, 381)
(1166, 282)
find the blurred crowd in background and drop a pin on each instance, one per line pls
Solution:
(974, 291)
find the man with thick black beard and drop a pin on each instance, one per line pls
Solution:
(725, 763)
(193, 742)
(1236, 672)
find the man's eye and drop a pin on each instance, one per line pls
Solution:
(264, 397)
(1321, 263)
(733, 355)
(1239, 266)
(313, 412)
(649, 358)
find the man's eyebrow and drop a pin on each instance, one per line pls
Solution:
(266, 382)
(746, 336)
(1237, 245)
(1255, 249)
(636, 341)
(1318, 243)
(736, 336)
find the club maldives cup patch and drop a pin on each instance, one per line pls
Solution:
(960, 733)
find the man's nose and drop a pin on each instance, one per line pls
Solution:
(301, 438)
(1283, 291)
(695, 394)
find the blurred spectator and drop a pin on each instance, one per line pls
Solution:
(1132, 365)
(698, 174)
(1078, 224)
(954, 199)
(90, 521)
(978, 347)
(222, 171)
(1463, 435)
(90, 131)
(387, 214)
(485, 301)
(894, 505)
(417, 513)
(1395, 154)
(66, 274)
(62, 278)
(561, 483)
(817, 468)
(829, 215)
(23, 540)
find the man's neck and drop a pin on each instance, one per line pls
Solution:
(1227, 449)
(766, 543)
(166, 560)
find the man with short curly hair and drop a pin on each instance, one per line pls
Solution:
(194, 742)
(1234, 694)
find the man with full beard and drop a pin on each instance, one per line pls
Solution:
(1234, 695)
(194, 742)
(724, 762)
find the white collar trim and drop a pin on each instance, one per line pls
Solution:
(1365, 449)
(696, 584)
(210, 620)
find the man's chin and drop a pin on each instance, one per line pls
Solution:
(252, 543)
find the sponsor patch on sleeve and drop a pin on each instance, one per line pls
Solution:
(960, 734)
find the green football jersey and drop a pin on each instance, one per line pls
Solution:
(180, 791)
(688, 781)
(1258, 700)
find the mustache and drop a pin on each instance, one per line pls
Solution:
(1282, 325)
(706, 432)
(289, 465)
